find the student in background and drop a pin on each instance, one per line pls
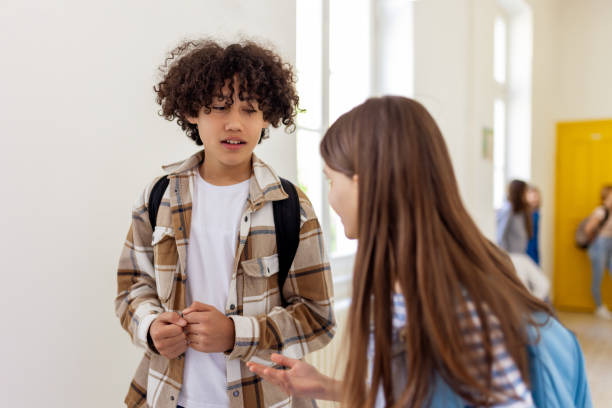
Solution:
(438, 317)
(514, 220)
(600, 250)
(534, 199)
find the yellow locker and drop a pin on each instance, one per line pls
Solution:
(584, 165)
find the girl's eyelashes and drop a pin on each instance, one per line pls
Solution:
(219, 107)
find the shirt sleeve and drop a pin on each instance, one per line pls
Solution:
(137, 303)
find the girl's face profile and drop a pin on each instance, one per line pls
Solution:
(343, 196)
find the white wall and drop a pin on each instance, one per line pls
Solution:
(572, 81)
(79, 138)
(585, 59)
(545, 97)
(453, 65)
(453, 78)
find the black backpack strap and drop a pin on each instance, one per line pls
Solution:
(157, 192)
(287, 225)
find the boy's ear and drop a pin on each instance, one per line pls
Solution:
(191, 119)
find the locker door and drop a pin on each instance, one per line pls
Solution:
(584, 165)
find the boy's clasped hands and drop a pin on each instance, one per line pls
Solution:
(202, 327)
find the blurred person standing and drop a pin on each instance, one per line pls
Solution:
(599, 226)
(534, 199)
(514, 222)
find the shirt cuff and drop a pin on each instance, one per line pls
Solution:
(247, 337)
(143, 332)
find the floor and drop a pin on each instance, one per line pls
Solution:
(595, 337)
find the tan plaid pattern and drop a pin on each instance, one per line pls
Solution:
(151, 279)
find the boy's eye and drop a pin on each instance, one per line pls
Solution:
(250, 110)
(219, 107)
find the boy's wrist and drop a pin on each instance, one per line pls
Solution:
(232, 336)
(150, 342)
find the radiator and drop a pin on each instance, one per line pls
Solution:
(329, 360)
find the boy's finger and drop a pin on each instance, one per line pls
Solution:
(172, 318)
(195, 317)
(170, 331)
(198, 307)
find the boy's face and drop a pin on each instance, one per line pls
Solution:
(230, 133)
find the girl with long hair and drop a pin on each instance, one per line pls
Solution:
(438, 317)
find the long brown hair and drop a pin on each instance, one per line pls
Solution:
(517, 190)
(415, 230)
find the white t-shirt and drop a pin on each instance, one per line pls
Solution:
(215, 219)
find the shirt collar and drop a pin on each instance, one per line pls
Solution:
(264, 184)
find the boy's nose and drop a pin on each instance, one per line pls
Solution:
(233, 120)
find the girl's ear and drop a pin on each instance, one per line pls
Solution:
(191, 120)
(355, 178)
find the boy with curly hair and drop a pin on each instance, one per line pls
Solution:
(198, 283)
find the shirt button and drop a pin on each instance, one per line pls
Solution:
(172, 398)
(180, 228)
(236, 393)
(246, 218)
(232, 307)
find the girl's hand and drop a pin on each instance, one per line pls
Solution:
(300, 379)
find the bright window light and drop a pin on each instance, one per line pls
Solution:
(500, 50)
(499, 152)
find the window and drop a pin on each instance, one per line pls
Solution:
(500, 61)
(500, 50)
(499, 152)
(339, 65)
(512, 57)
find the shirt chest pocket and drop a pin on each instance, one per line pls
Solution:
(165, 259)
(261, 291)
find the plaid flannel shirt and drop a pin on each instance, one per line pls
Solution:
(151, 279)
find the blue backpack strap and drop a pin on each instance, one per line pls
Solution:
(157, 192)
(287, 226)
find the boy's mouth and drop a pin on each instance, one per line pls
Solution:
(233, 142)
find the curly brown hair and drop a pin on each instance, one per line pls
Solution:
(195, 72)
